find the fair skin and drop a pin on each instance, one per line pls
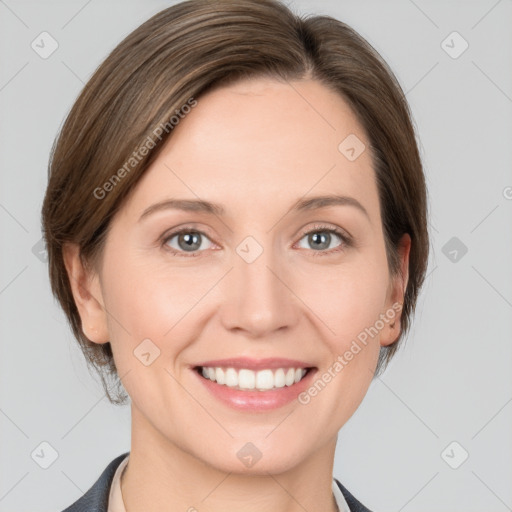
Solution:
(256, 148)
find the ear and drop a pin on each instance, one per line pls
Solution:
(396, 293)
(86, 289)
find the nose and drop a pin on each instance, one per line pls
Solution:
(258, 296)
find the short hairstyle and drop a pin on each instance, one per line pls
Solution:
(181, 53)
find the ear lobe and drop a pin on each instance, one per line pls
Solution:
(86, 289)
(392, 329)
(396, 295)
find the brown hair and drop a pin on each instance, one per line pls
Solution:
(179, 54)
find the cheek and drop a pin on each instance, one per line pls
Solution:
(151, 311)
(150, 300)
(347, 298)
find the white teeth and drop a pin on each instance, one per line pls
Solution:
(262, 380)
(231, 378)
(246, 379)
(279, 380)
(265, 379)
(219, 375)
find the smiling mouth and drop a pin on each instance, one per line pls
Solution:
(245, 379)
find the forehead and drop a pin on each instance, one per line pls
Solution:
(261, 141)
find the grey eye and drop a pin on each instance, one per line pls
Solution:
(187, 241)
(320, 239)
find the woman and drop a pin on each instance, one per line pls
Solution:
(236, 226)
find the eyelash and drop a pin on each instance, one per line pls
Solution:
(345, 239)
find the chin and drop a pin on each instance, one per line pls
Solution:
(244, 458)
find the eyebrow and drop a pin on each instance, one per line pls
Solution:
(199, 205)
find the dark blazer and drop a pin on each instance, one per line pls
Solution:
(96, 498)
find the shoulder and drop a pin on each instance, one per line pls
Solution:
(352, 502)
(96, 498)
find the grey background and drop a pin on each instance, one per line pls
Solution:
(451, 382)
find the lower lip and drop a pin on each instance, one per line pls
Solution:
(257, 400)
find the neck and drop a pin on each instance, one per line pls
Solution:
(161, 476)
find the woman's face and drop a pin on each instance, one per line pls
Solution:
(249, 282)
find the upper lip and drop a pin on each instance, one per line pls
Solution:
(256, 364)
